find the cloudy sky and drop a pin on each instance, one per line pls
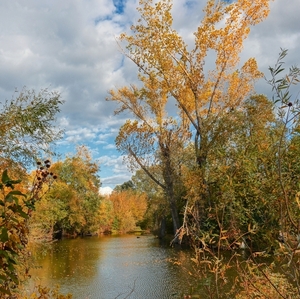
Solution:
(70, 46)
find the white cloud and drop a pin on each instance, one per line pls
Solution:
(115, 163)
(118, 171)
(109, 146)
(70, 46)
(116, 179)
(105, 190)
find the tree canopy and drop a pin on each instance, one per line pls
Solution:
(207, 100)
(27, 126)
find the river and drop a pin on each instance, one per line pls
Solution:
(108, 267)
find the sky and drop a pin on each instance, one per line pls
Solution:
(70, 46)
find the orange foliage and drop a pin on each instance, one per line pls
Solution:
(129, 207)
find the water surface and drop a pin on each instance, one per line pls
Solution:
(111, 267)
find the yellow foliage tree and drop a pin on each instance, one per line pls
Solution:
(203, 96)
(154, 138)
(129, 208)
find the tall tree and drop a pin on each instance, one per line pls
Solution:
(241, 174)
(203, 96)
(73, 201)
(162, 55)
(154, 138)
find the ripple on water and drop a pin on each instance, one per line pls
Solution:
(112, 267)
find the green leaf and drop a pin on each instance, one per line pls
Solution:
(4, 291)
(14, 219)
(11, 183)
(7, 181)
(17, 192)
(5, 177)
(15, 181)
(11, 198)
(283, 86)
(277, 71)
(4, 235)
(4, 254)
(23, 214)
(30, 204)
(13, 277)
(13, 208)
(12, 257)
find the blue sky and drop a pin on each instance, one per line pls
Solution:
(70, 46)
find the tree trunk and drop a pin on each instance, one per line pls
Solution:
(168, 174)
(162, 228)
(174, 211)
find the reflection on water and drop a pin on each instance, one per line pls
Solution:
(109, 267)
